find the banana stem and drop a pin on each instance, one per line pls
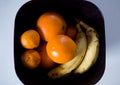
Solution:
(85, 25)
(78, 28)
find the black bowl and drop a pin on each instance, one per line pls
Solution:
(26, 18)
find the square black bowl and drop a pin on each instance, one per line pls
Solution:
(26, 18)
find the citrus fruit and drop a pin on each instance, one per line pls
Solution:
(30, 39)
(71, 31)
(61, 49)
(46, 62)
(31, 59)
(50, 24)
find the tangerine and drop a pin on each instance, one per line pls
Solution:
(31, 59)
(61, 49)
(71, 31)
(46, 62)
(30, 39)
(50, 24)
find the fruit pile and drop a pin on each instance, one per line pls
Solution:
(61, 48)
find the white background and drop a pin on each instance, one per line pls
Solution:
(111, 13)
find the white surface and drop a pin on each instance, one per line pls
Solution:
(111, 12)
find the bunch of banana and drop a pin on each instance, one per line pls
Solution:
(87, 53)
(92, 49)
(65, 69)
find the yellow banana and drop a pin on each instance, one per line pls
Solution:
(65, 69)
(92, 49)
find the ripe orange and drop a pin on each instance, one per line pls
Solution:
(46, 62)
(71, 31)
(61, 49)
(31, 59)
(50, 24)
(30, 39)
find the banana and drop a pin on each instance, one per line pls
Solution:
(64, 69)
(92, 49)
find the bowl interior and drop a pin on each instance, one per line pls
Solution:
(70, 9)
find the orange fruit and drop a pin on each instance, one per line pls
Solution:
(50, 24)
(46, 62)
(61, 49)
(71, 31)
(31, 59)
(30, 39)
